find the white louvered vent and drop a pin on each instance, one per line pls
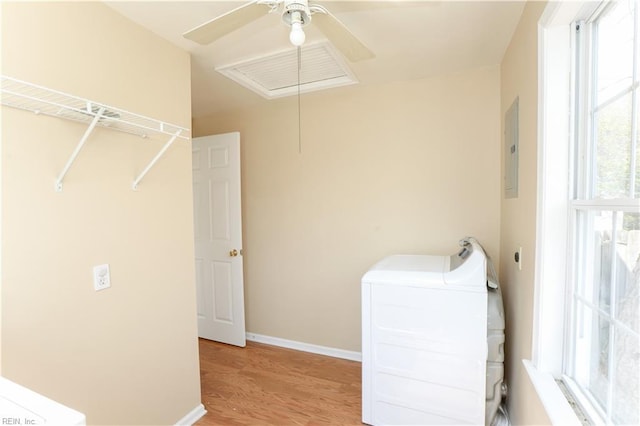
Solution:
(276, 76)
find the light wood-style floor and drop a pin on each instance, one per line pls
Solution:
(267, 385)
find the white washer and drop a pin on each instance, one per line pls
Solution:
(424, 340)
(22, 406)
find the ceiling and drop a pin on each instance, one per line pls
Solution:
(411, 40)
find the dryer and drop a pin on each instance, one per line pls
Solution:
(432, 339)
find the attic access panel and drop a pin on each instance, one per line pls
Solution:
(276, 75)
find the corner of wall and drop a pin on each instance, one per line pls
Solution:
(519, 78)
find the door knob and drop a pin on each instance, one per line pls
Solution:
(233, 253)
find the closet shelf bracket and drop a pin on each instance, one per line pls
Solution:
(155, 160)
(76, 151)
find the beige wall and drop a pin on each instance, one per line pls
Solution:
(126, 355)
(405, 167)
(518, 216)
(400, 168)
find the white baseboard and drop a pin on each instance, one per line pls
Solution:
(193, 416)
(305, 347)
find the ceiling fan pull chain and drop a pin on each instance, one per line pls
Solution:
(299, 126)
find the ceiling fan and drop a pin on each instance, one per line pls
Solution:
(295, 14)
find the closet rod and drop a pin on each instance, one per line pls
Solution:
(41, 100)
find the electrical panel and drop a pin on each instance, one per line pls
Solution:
(511, 149)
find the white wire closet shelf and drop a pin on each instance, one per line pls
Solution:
(41, 100)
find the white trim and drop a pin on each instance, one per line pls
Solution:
(561, 13)
(587, 406)
(554, 91)
(192, 416)
(626, 205)
(552, 398)
(305, 347)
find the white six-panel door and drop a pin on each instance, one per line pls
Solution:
(218, 238)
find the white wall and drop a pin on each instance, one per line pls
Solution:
(129, 354)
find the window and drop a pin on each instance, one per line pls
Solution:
(602, 346)
(586, 322)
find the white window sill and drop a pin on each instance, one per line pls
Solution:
(551, 396)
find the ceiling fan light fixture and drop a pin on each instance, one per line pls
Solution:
(296, 14)
(296, 36)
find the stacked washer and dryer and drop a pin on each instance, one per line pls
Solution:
(432, 339)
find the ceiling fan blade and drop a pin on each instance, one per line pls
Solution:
(341, 37)
(226, 23)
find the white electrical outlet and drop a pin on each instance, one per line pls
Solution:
(101, 277)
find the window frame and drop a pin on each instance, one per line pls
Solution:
(551, 348)
(584, 201)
